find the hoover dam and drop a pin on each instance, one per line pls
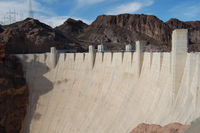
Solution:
(111, 92)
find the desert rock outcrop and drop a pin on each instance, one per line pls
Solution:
(13, 94)
(1, 29)
(72, 27)
(152, 128)
(32, 36)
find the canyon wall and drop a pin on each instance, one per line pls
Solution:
(13, 93)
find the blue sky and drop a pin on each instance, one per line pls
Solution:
(55, 12)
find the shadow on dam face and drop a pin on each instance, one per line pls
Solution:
(39, 87)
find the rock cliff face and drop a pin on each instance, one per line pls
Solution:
(1, 29)
(193, 27)
(171, 128)
(13, 94)
(31, 36)
(126, 28)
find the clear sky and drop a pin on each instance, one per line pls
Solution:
(55, 12)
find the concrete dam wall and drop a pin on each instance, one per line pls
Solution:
(111, 92)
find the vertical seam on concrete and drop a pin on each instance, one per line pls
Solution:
(65, 56)
(57, 58)
(122, 57)
(74, 57)
(102, 56)
(94, 61)
(197, 82)
(161, 61)
(151, 59)
(111, 57)
(188, 71)
(198, 60)
(141, 62)
(45, 57)
(132, 57)
(83, 57)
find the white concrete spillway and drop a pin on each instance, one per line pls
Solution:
(110, 92)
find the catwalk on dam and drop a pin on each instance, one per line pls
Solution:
(111, 92)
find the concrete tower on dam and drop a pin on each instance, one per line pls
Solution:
(102, 91)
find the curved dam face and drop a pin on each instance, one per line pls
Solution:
(110, 92)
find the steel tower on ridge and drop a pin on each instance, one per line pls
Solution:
(30, 9)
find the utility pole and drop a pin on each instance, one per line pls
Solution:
(30, 9)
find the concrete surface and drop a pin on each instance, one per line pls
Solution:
(179, 55)
(194, 127)
(109, 92)
(75, 98)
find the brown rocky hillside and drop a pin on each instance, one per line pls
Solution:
(117, 31)
(152, 128)
(13, 94)
(32, 36)
(72, 27)
(126, 28)
(1, 29)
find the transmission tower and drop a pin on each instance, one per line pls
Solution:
(30, 9)
(11, 16)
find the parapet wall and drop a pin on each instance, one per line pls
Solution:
(109, 58)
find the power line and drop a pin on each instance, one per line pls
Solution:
(11, 17)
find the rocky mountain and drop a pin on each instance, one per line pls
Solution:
(13, 94)
(152, 128)
(32, 36)
(117, 31)
(72, 27)
(126, 28)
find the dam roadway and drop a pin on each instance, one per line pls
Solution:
(109, 92)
